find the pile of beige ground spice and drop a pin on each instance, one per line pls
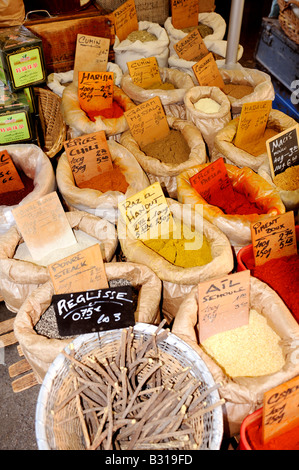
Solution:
(171, 149)
(289, 179)
(237, 91)
(204, 30)
(141, 35)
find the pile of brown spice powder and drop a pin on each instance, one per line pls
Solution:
(171, 149)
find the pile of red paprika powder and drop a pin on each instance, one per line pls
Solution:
(13, 198)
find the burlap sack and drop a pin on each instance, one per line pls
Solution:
(126, 51)
(244, 395)
(18, 278)
(244, 180)
(156, 11)
(36, 165)
(225, 148)
(208, 124)
(166, 173)
(213, 20)
(172, 100)
(178, 281)
(95, 202)
(41, 351)
(12, 13)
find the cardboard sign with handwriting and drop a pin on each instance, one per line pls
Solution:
(223, 304)
(283, 150)
(191, 47)
(144, 72)
(88, 155)
(91, 54)
(9, 177)
(273, 238)
(280, 409)
(81, 271)
(125, 19)
(148, 122)
(207, 73)
(252, 122)
(95, 89)
(44, 226)
(147, 214)
(184, 13)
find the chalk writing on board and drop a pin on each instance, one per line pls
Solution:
(283, 150)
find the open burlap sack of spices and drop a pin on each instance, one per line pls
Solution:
(177, 280)
(208, 123)
(224, 142)
(20, 275)
(166, 173)
(39, 338)
(242, 394)
(245, 181)
(171, 99)
(31, 160)
(152, 40)
(156, 11)
(212, 25)
(101, 204)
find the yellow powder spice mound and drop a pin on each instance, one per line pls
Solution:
(252, 350)
(259, 147)
(289, 179)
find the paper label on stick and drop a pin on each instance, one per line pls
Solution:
(44, 226)
(207, 73)
(88, 155)
(80, 271)
(283, 150)
(95, 88)
(280, 409)
(184, 13)
(144, 72)
(91, 54)
(147, 214)
(191, 47)
(252, 122)
(148, 122)
(273, 238)
(9, 177)
(125, 19)
(223, 304)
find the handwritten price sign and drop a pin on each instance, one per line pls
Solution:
(144, 72)
(184, 13)
(9, 177)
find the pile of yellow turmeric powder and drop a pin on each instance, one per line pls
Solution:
(259, 147)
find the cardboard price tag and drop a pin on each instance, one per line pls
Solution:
(283, 150)
(95, 89)
(148, 122)
(207, 73)
(91, 54)
(9, 177)
(252, 122)
(191, 47)
(274, 238)
(88, 156)
(44, 226)
(184, 13)
(147, 214)
(280, 409)
(144, 72)
(125, 19)
(223, 304)
(81, 271)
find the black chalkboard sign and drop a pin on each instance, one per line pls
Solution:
(283, 150)
(95, 310)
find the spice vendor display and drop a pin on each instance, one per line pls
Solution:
(126, 50)
(166, 171)
(19, 277)
(244, 394)
(40, 349)
(101, 204)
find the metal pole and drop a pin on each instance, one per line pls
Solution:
(234, 31)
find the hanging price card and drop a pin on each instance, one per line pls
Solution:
(207, 72)
(88, 155)
(9, 177)
(252, 122)
(191, 47)
(223, 304)
(280, 410)
(283, 150)
(91, 54)
(184, 13)
(273, 238)
(145, 72)
(148, 122)
(125, 19)
(95, 90)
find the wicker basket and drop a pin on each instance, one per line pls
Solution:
(58, 385)
(289, 22)
(52, 124)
